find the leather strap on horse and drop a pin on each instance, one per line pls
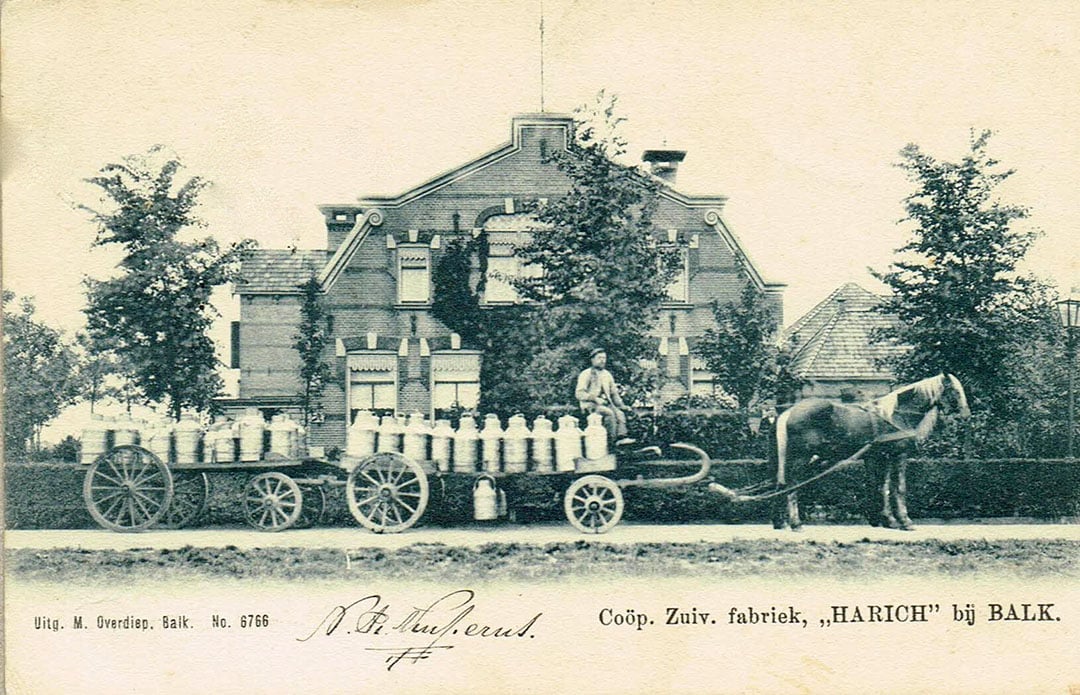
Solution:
(737, 496)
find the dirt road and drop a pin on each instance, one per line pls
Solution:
(477, 535)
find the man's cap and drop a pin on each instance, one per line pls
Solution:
(596, 351)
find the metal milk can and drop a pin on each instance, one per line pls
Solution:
(390, 431)
(440, 444)
(485, 499)
(188, 434)
(465, 445)
(516, 445)
(361, 439)
(542, 443)
(125, 431)
(95, 439)
(596, 437)
(224, 444)
(416, 437)
(567, 443)
(490, 438)
(251, 428)
(281, 431)
(159, 439)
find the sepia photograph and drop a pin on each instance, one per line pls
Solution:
(536, 346)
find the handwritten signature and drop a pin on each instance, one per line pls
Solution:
(435, 625)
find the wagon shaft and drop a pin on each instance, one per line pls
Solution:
(703, 461)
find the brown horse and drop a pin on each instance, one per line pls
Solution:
(881, 433)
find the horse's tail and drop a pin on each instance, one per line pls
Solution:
(778, 445)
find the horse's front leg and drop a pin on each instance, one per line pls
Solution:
(900, 496)
(778, 511)
(793, 511)
(887, 518)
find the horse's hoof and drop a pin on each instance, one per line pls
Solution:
(797, 528)
(891, 523)
(907, 526)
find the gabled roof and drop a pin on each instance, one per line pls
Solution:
(260, 279)
(834, 340)
(279, 271)
(517, 125)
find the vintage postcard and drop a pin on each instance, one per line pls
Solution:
(540, 346)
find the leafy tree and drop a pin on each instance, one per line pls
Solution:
(506, 334)
(604, 272)
(741, 350)
(455, 302)
(311, 341)
(963, 305)
(99, 368)
(604, 276)
(155, 314)
(39, 375)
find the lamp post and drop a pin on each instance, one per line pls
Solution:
(1069, 310)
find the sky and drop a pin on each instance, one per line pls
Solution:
(796, 111)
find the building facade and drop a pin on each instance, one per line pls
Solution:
(390, 354)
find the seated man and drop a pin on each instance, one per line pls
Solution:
(597, 393)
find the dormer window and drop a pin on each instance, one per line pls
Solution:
(414, 274)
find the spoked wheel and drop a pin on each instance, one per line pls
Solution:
(191, 494)
(272, 501)
(593, 504)
(387, 492)
(127, 489)
(314, 506)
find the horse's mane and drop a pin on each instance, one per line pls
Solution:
(930, 389)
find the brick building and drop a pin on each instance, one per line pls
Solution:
(390, 354)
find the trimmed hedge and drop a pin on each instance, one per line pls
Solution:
(49, 495)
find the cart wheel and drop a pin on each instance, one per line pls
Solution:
(387, 492)
(191, 494)
(593, 504)
(127, 489)
(311, 513)
(272, 501)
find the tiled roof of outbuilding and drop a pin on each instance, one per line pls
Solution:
(279, 271)
(833, 340)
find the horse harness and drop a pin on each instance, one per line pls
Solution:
(898, 432)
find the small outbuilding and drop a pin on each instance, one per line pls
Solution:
(834, 350)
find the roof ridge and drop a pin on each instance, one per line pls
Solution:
(808, 316)
(821, 337)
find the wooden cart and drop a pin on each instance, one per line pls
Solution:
(129, 488)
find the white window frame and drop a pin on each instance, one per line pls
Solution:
(504, 284)
(683, 279)
(371, 378)
(457, 378)
(407, 258)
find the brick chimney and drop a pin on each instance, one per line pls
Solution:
(664, 163)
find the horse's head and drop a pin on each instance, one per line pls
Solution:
(953, 398)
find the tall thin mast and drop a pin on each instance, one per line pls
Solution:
(541, 56)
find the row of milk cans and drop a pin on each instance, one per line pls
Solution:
(248, 439)
(491, 448)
